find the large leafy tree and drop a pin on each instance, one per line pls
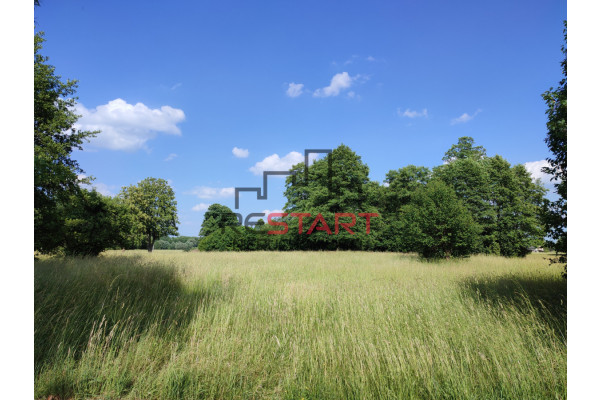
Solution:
(517, 205)
(502, 199)
(55, 138)
(469, 177)
(556, 139)
(436, 223)
(154, 209)
(337, 183)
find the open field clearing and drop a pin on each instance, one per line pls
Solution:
(312, 325)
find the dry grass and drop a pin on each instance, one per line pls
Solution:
(313, 325)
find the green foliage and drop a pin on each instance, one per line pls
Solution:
(470, 179)
(436, 223)
(464, 149)
(502, 200)
(338, 183)
(339, 188)
(516, 202)
(495, 208)
(322, 240)
(185, 243)
(217, 217)
(154, 209)
(92, 223)
(392, 199)
(241, 238)
(402, 183)
(55, 172)
(555, 215)
(228, 238)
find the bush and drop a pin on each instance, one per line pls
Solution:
(230, 238)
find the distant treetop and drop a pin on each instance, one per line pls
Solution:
(465, 149)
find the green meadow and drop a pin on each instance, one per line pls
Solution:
(298, 325)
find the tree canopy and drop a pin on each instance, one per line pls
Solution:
(93, 223)
(335, 183)
(217, 217)
(154, 208)
(464, 149)
(437, 224)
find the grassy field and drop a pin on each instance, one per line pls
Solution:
(312, 325)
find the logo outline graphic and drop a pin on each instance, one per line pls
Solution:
(262, 193)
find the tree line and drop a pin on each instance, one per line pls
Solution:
(185, 243)
(471, 203)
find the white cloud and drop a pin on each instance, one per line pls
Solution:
(102, 188)
(205, 192)
(338, 83)
(240, 153)
(412, 113)
(126, 126)
(371, 59)
(464, 118)
(294, 89)
(535, 169)
(276, 163)
(175, 86)
(201, 207)
(171, 156)
(267, 212)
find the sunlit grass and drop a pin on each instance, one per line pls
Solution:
(313, 325)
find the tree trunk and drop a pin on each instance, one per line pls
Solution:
(150, 244)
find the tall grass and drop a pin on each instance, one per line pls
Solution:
(312, 325)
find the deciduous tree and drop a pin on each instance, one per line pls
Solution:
(556, 139)
(217, 217)
(154, 208)
(54, 139)
(92, 223)
(436, 223)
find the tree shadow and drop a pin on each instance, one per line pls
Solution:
(112, 300)
(546, 295)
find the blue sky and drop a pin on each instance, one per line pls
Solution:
(175, 87)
